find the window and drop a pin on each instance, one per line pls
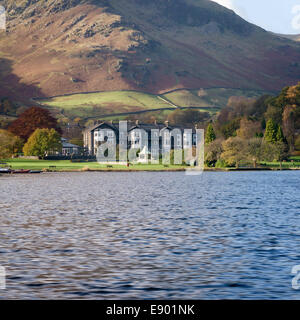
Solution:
(111, 140)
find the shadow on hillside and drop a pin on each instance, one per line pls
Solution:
(12, 87)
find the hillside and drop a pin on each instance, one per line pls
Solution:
(54, 47)
(100, 104)
(294, 37)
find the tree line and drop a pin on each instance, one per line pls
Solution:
(247, 131)
(252, 131)
(34, 133)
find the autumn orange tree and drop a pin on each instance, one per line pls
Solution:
(32, 119)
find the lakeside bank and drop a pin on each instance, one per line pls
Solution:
(68, 166)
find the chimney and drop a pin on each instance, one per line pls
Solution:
(137, 122)
(167, 123)
(155, 122)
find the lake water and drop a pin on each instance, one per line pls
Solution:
(150, 235)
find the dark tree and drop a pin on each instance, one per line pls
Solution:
(32, 119)
(271, 132)
(187, 117)
(210, 134)
(279, 135)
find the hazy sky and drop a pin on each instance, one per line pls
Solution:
(282, 16)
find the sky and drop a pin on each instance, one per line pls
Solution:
(280, 16)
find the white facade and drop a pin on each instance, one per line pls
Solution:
(104, 136)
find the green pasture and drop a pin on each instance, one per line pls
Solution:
(93, 105)
(67, 165)
(209, 98)
(107, 99)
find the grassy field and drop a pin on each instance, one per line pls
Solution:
(293, 163)
(208, 98)
(130, 98)
(93, 105)
(5, 120)
(122, 100)
(295, 158)
(186, 98)
(66, 165)
(216, 97)
(160, 116)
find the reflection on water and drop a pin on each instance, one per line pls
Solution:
(150, 235)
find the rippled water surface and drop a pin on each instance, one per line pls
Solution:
(150, 235)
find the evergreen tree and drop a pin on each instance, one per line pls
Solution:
(210, 134)
(279, 135)
(271, 132)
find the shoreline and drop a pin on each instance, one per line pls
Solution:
(69, 166)
(156, 170)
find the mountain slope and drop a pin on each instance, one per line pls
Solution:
(56, 47)
(294, 37)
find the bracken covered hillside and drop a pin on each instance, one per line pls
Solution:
(53, 47)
